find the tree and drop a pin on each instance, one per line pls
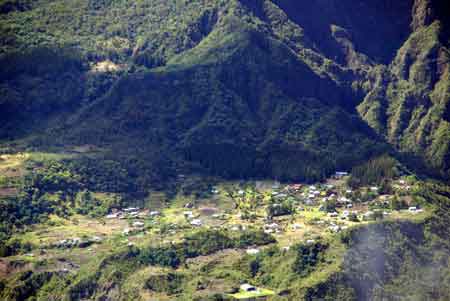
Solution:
(330, 205)
(398, 203)
(378, 215)
(353, 217)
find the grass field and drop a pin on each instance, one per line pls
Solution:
(259, 293)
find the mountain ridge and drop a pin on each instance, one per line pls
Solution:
(281, 50)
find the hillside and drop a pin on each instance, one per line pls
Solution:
(234, 88)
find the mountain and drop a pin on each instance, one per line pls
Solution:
(165, 137)
(233, 88)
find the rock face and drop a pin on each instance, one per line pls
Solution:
(426, 12)
(409, 103)
(285, 89)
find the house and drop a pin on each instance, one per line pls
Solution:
(281, 195)
(188, 214)
(344, 200)
(333, 214)
(252, 251)
(196, 222)
(310, 241)
(296, 227)
(96, 239)
(143, 214)
(334, 228)
(308, 202)
(340, 174)
(133, 214)
(296, 187)
(138, 224)
(235, 228)
(271, 226)
(248, 288)
(112, 215)
(412, 209)
(131, 209)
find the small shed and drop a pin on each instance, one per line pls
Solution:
(248, 288)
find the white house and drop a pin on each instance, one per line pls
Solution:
(196, 222)
(248, 288)
(340, 174)
(252, 251)
(333, 214)
(188, 214)
(131, 209)
(138, 224)
(112, 215)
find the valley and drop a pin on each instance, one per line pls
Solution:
(259, 220)
(224, 150)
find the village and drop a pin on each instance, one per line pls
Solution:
(291, 212)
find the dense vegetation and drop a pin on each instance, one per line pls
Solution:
(234, 88)
(374, 172)
(115, 268)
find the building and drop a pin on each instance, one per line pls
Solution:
(138, 224)
(340, 174)
(248, 288)
(112, 215)
(131, 209)
(252, 251)
(296, 227)
(196, 222)
(333, 214)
